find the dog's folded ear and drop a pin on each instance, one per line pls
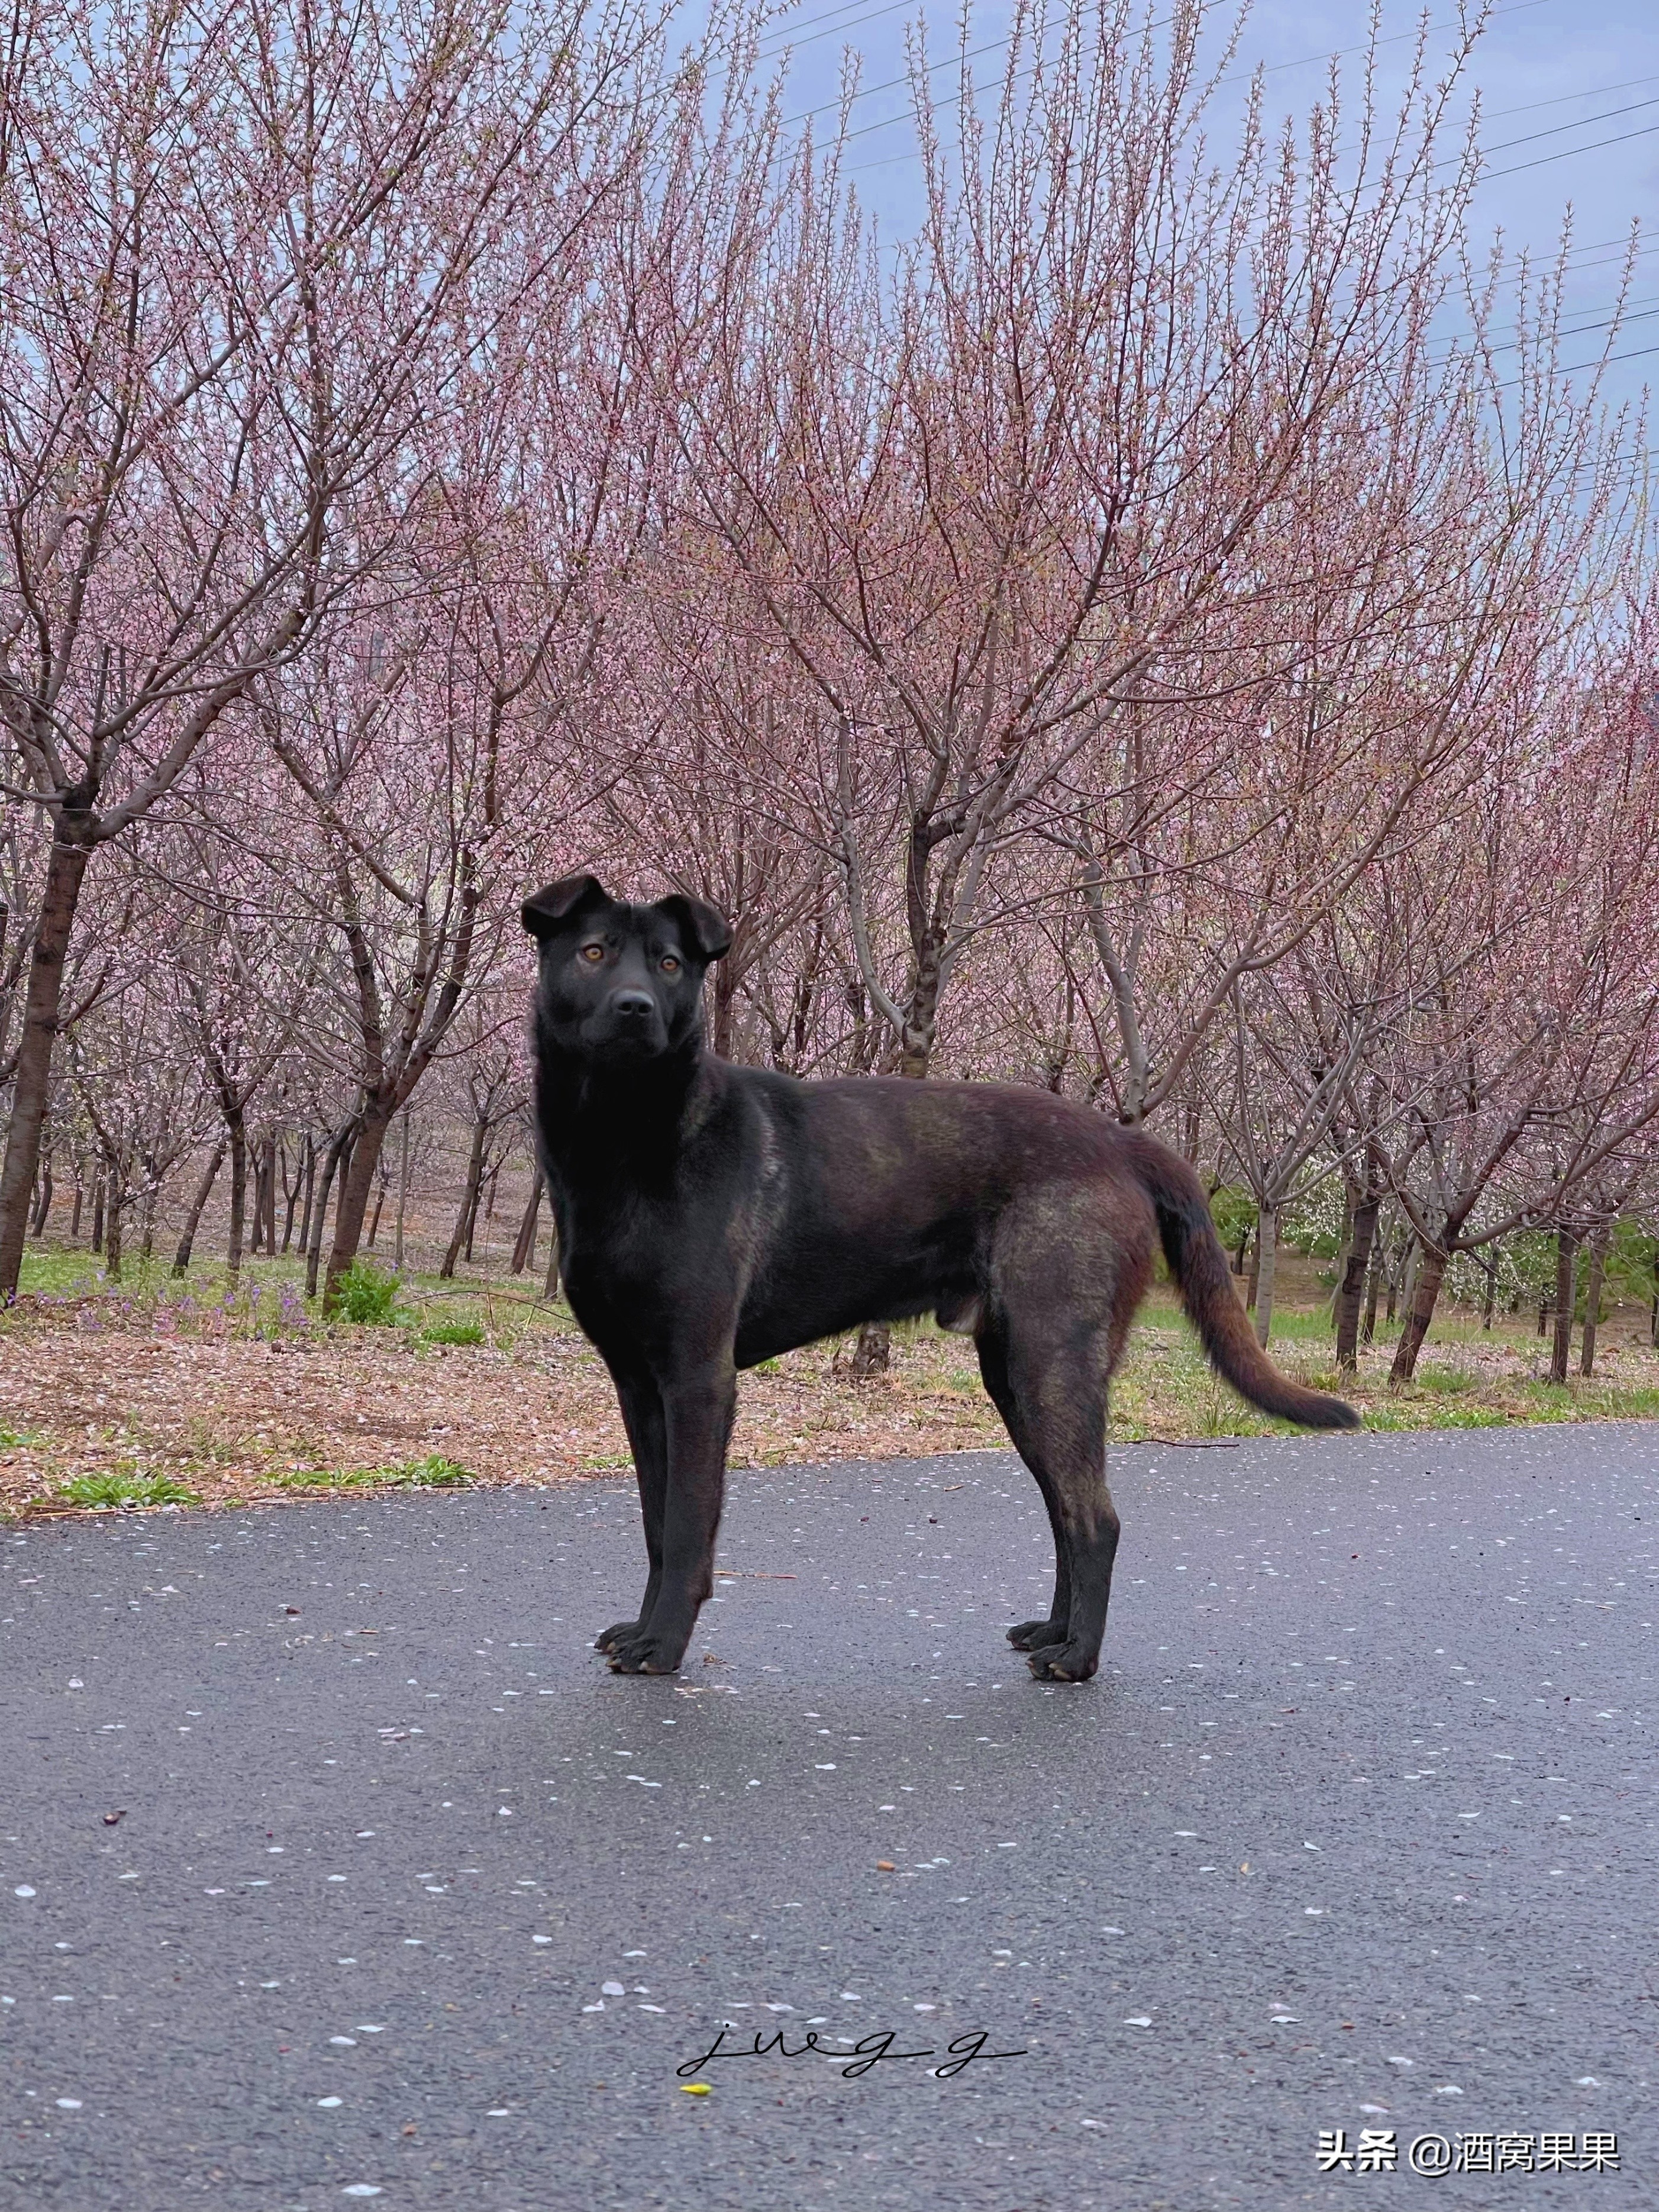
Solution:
(702, 930)
(546, 910)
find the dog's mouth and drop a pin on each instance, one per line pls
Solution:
(626, 1042)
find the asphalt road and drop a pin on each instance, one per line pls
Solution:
(412, 1902)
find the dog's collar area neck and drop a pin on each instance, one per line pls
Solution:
(603, 1105)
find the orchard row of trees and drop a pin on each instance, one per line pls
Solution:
(1180, 627)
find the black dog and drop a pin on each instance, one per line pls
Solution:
(710, 1216)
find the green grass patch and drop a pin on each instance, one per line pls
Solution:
(19, 1439)
(455, 1332)
(1406, 1413)
(365, 1296)
(1448, 1381)
(1295, 1327)
(49, 1272)
(125, 1490)
(433, 1472)
(1580, 1400)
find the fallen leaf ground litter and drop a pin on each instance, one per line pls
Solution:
(109, 1396)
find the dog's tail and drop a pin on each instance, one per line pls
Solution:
(1199, 1265)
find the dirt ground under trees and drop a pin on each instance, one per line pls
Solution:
(156, 1394)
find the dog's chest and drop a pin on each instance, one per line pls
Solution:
(633, 1263)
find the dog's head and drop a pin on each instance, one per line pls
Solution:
(620, 985)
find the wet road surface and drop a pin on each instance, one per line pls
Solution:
(410, 1902)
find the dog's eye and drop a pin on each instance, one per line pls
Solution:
(593, 953)
(669, 965)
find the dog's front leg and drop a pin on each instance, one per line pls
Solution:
(698, 1412)
(642, 1416)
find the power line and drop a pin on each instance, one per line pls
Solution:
(1582, 331)
(1560, 100)
(1623, 138)
(1345, 54)
(792, 42)
(1269, 69)
(1640, 314)
(1584, 123)
(1342, 53)
(1637, 353)
(1486, 176)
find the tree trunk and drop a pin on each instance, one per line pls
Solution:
(318, 1206)
(147, 1240)
(37, 1226)
(197, 1207)
(1350, 1291)
(32, 1084)
(79, 1195)
(271, 1192)
(1425, 1292)
(1256, 1266)
(238, 1131)
(1345, 1245)
(263, 1237)
(112, 1230)
(403, 1193)
(469, 1203)
(290, 1197)
(306, 1216)
(1566, 1258)
(366, 1140)
(1238, 1257)
(1597, 1276)
(1413, 1262)
(472, 1222)
(873, 1351)
(1373, 1291)
(1266, 1238)
(524, 1251)
(374, 1219)
(98, 1212)
(1400, 1275)
(489, 1211)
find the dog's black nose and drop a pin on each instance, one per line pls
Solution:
(634, 1005)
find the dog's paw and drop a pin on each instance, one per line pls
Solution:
(608, 1638)
(1031, 1635)
(636, 1653)
(1063, 1662)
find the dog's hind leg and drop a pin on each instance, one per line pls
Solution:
(642, 1416)
(1053, 1626)
(1067, 1276)
(1068, 1270)
(1057, 1417)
